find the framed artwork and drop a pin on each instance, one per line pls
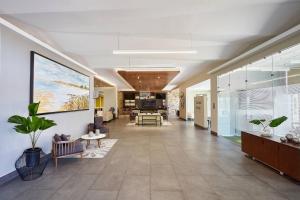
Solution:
(57, 87)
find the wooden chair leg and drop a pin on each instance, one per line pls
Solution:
(55, 161)
(81, 157)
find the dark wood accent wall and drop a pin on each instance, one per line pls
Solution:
(283, 157)
(153, 81)
(128, 101)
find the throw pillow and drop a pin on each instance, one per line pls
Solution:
(57, 138)
(64, 137)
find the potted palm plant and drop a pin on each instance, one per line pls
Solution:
(33, 126)
(266, 124)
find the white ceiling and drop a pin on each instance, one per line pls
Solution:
(202, 86)
(89, 30)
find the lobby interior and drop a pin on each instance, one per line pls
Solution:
(150, 100)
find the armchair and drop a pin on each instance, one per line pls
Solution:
(98, 124)
(61, 149)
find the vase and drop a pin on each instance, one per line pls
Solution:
(266, 133)
(32, 157)
(91, 134)
(97, 131)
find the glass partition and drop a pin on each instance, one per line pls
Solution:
(265, 89)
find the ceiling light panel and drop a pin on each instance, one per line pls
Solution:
(126, 52)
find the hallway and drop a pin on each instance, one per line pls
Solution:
(176, 162)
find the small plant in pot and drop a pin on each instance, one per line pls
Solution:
(268, 124)
(33, 126)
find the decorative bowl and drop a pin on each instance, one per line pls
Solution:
(266, 134)
(283, 139)
(289, 137)
(296, 140)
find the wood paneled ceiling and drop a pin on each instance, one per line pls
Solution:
(100, 83)
(148, 80)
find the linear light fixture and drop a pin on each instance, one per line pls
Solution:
(50, 48)
(126, 52)
(148, 69)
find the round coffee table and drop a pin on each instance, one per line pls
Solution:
(88, 138)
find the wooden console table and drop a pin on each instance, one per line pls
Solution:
(284, 157)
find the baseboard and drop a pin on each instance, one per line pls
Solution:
(8, 177)
(201, 127)
(214, 133)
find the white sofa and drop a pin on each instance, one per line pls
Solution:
(149, 119)
(107, 115)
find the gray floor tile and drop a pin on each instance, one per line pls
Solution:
(170, 162)
(75, 188)
(162, 170)
(100, 195)
(33, 193)
(135, 187)
(166, 195)
(164, 183)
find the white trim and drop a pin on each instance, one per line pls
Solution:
(266, 44)
(104, 80)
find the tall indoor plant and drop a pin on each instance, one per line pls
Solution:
(33, 126)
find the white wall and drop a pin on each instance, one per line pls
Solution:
(14, 91)
(190, 95)
(110, 97)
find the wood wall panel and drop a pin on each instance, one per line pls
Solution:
(153, 81)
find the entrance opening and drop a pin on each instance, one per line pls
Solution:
(198, 104)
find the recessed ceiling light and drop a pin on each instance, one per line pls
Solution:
(124, 52)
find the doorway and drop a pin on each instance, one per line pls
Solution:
(198, 104)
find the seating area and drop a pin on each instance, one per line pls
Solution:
(98, 124)
(150, 100)
(64, 146)
(149, 119)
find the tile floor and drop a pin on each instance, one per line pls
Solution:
(178, 162)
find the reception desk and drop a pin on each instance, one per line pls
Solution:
(284, 157)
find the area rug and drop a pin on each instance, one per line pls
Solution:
(165, 123)
(93, 151)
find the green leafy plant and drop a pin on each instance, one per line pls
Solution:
(32, 124)
(273, 123)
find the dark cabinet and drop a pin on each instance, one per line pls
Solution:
(280, 156)
(289, 161)
(270, 153)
